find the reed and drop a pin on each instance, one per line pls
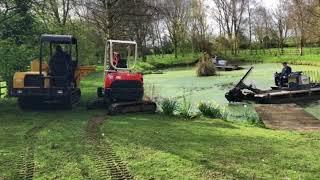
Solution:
(314, 76)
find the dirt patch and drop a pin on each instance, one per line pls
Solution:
(108, 164)
(287, 117)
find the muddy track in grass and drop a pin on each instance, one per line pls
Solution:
(108, 164)
(26, 163)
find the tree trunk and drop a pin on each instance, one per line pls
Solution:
(301, 46)
(175, 48)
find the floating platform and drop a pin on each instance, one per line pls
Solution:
(276, 95)
(287, 117)
(228, 68)
(287, 96)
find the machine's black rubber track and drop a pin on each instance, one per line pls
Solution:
(108, 164)
(26, 163)
(132, 107)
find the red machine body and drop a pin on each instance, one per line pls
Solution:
(122, 91)
(112, 76)
(122, 85)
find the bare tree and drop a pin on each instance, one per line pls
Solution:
(175, 13)
(104, 15)
(281, 20)
(143, 14)
(262, 26)
(300, 18)
(55, 12)
(314, 11)
(230, 14)
(119, 19)
(6, 7)
(199, 26)
(250, 11)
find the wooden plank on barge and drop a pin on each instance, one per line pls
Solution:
(286, 92)
(287, 117)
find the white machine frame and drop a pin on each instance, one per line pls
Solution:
(109, 55)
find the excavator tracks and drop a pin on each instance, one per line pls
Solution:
(108, 164)
(26, 163)
(132, 107)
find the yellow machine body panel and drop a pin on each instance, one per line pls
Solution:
(18, 79)
(34, 66)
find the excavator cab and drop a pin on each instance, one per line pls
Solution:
(53, 78)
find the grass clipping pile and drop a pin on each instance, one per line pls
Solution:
(205, 67)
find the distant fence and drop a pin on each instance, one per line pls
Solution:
(3, 88)
(85, 70)
(273, 51)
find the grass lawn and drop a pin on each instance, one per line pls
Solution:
(171, 148)
(154, 146)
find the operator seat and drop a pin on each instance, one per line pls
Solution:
(60, 69)
(118, 62)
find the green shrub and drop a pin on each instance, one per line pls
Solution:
(14, 58)
(225, 114)
(185, 109)
(205, 67)
(252, 117)
(210, 110)
(169, 106)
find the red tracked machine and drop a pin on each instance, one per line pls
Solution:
(123, 90)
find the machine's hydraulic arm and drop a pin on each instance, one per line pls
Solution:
(240, 83)
(235, 94)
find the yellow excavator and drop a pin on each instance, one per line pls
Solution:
(56, 81)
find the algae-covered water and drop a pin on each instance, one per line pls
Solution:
(183, 82)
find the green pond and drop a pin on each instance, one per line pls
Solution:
(183, 82)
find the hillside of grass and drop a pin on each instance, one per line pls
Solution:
(153, 146)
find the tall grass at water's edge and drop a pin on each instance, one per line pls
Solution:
(314, 76)
(213, 110)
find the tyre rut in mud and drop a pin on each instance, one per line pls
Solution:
(108, 164)
(26, 163)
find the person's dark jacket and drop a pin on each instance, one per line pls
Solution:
(60, 64)
(286, 71)
(61, 68)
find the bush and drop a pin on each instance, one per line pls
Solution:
(185, 109)
(225, 114)
(14, 58)
(210, 110)
(205, 67)
(169, 106)
(252, 117)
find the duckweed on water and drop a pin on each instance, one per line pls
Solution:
(179, 82)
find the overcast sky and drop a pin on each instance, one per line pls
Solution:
(270, 3)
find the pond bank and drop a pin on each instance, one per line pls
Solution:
(311, 60)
